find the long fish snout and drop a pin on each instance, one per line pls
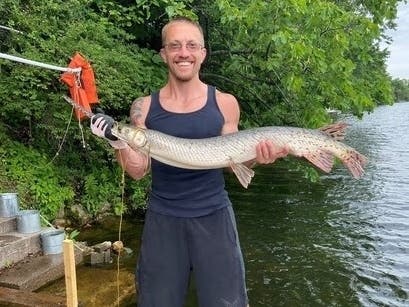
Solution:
(116, 131)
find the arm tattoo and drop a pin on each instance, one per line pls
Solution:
(136, 110)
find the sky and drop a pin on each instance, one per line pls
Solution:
(398, 61)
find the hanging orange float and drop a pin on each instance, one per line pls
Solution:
(81, 84)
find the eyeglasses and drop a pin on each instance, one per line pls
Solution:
(177, 46)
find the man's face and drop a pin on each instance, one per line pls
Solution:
(183, 50)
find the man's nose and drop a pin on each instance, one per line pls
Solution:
(184, 51)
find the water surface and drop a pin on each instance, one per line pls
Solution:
(337, 242)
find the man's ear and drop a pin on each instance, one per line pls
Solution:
(162, 55)
(204, 53)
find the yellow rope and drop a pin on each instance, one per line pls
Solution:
(120, 225)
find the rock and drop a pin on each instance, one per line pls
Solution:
(118, 246)
(101, 247)
(99, 254)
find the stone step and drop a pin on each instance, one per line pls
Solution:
(34, 272)
(13, 297)
(7, 224)
(15, 246)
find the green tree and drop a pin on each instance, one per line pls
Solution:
(401, 89)
(290, 60)
(286, 61)
(33, 112)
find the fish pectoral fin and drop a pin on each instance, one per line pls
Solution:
(243, 173)
(321, 159)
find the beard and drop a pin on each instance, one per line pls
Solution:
(183, 76)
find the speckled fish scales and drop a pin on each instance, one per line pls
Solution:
(319, 146)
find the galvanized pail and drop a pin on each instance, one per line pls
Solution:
(51, 241)
(8, 204)
(28, 221)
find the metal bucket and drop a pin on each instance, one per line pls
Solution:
(51, 241)
(8, 204)
(28, 221)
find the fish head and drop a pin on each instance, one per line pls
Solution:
(133, 136)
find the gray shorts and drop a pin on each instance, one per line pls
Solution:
(207, 246)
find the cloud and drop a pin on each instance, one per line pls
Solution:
(398, 61)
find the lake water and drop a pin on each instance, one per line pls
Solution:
(337, 242)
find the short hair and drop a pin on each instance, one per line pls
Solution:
(182, 19)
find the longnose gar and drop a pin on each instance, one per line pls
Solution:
(318, 146)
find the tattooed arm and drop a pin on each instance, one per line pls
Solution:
(139, 110)
(135, 163)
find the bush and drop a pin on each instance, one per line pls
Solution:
(38, 182)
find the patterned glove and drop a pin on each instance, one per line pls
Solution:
(101, 125)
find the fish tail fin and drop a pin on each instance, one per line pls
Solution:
(355, 163)
(243, 173)
(335, 131)
(321, 159)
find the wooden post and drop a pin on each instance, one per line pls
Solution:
(70, 275)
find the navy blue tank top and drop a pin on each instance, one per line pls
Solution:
(183, 192)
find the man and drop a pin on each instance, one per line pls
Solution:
(190, 224)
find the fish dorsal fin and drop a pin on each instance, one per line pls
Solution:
(335, 131)
(243, 173)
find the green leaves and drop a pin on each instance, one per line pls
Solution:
(286, 61)
(315, 53)
(401, 89)
(39, 183)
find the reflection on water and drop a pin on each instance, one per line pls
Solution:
(338, 242)
(381, 268)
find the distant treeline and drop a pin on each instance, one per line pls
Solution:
(401, 89)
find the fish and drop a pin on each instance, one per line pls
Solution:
(318, 146)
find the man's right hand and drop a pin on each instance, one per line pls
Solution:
(101, 125)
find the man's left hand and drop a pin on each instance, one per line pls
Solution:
(268, 152)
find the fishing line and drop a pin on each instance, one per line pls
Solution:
(119, 242)
(63, 138)
(120, 228)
